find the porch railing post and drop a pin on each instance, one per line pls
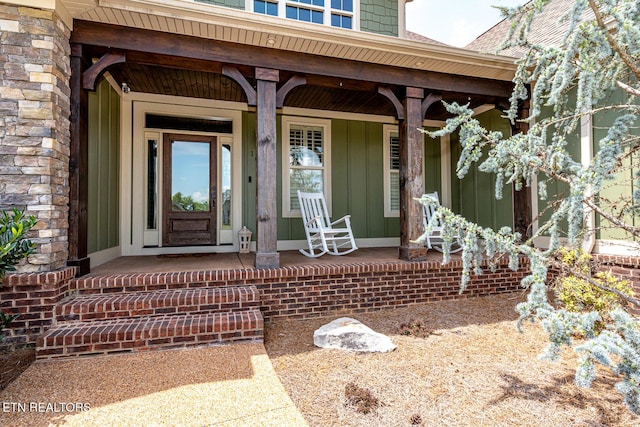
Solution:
(267, 255)
(78, 165)
(411, 184)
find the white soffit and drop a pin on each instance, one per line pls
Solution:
(191, 18)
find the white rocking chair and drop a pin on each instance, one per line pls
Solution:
(322, 235)
(435, 240)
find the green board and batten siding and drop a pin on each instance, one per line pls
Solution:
(624, 184)
(357, 174)
(474, 196)
(104, 159)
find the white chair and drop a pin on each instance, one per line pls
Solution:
(322, 235)
(435, 240)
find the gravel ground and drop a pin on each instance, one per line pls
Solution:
(466, 365)
(462, 364)
(225, 386)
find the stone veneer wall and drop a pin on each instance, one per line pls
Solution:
(34, 127)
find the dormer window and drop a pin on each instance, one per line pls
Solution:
(335, 13)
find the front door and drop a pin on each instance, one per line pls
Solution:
(189, 196)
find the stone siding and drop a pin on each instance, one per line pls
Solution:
(34, 127)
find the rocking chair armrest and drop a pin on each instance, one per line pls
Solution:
(315, 219)
(346, 219)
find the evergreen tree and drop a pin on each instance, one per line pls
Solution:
(596, 63)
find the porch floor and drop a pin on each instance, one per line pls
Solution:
(236, 261)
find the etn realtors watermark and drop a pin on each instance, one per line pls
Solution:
(45, 407)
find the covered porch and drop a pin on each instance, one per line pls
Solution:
(243, 261)
(164, 82)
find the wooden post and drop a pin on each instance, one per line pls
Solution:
(78, 165)
(267, 255)
(411, 181)
(522, 212)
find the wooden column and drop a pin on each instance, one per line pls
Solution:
(78, 165)
(522, 214)
(411, 181)
(267, 255)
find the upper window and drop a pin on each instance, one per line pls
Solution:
(336, 13)
(306, 155)
(266, 7)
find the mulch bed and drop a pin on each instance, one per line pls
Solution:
(458, 363)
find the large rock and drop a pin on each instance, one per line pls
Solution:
(349, 334)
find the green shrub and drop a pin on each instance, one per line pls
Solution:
(14, 246)
(579, 295)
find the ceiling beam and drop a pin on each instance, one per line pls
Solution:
(195, 48)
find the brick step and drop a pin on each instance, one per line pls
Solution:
(137, 304)
(149, 333)
(147, 282)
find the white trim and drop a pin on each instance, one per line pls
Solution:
(445, 166)
(387, 132)
(151, 236)
(373, 242)
(186, 250)
(586, 155)
(445, 170)
(483, 109)
(402, 18)
(104, 256)
(603, 247)
(187, 102)
(325, 124)
(226, 236)
(126, 152)
(433, 123)
(328, 114)
(617, 247)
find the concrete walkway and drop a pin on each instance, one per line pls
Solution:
(233, 385)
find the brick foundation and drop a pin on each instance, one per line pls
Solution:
(33, 296)
(323, 290)
(289, 292)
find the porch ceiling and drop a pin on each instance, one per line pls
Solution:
(198, 19)
(185, 67)
(197, 84)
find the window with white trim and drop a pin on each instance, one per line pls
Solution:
(306, 158)
(334, 13)
(391, 158)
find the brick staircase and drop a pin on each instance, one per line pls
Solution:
(126, 313)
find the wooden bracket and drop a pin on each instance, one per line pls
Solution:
(236, 75)
(292, 83)
(93, 73)
(429, 101)
(388, 93)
